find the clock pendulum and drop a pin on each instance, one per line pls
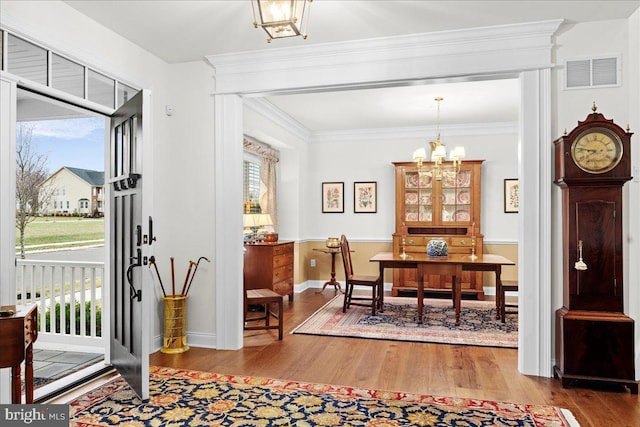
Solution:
(594, 338)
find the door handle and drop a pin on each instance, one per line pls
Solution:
(133, 292)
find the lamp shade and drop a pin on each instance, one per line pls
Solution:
(256, 220)
(419, 154)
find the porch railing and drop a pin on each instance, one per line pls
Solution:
(69, 298)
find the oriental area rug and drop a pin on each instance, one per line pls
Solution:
(181, 397)
(478, 324)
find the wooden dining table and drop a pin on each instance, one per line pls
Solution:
(453, 265)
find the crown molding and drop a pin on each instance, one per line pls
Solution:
(515, 47)
(413, 132)
(274, 114)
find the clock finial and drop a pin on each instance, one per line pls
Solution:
(565, 131)
(594, 108)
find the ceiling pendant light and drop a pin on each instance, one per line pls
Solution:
(281, 18)
(438, 153)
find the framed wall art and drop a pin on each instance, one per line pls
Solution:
(332, 197)
(365, 197)
(511, 196)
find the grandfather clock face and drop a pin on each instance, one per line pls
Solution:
(597, 150)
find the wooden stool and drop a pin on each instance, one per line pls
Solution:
(264, 297)
(501, 290)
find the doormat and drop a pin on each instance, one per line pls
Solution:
(478, 323)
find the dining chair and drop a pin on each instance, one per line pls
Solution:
(352, 280)
(501, 304)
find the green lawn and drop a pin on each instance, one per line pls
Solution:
(47, 230)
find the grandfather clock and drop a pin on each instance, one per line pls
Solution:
(594, 338)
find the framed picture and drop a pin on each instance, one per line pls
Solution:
(332, 197)
(511, 196)
(365, 197)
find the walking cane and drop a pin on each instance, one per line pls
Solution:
(173, 279)
(152, 260)
(186, 279)
(194, 272)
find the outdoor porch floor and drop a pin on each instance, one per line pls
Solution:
(51, 365)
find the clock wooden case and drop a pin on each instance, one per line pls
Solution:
(594, 338)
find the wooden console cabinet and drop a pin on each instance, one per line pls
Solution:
(19, 331)
(447, 208)
(269, 266)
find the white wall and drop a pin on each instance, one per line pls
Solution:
(617, 103)
(184, 205)
(292, 170)
(620, 104)
(183, 173)
(344, 161)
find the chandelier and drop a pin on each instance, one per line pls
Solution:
(281, 18)
(438, 154)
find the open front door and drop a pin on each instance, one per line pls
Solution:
(130, 296)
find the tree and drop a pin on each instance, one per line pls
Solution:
(31, 173)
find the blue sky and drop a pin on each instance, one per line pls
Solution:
(76, 143)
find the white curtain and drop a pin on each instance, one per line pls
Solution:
(268, 191)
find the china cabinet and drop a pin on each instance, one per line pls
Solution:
(428, 208)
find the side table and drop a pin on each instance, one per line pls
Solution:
(332, 282)
(19, 331)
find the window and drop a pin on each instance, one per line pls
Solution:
(100, 89)
(251, 182)
(31, 62)
(67, 204)
(67, 76)
(27, 60)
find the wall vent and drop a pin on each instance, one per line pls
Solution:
(592, 72)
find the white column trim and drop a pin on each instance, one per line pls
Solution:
(534, 255)
(520, 50)
(8, 115)
(228, 222)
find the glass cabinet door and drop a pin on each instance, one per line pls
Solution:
(456, 197)
(418, 201)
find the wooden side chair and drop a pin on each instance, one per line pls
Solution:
(264, 297)
(501, 304)
(352, 280)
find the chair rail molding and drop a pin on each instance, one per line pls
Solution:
(521, 51)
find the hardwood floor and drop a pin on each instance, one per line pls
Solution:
(437, 369)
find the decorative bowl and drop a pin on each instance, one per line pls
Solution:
(333, 242)
(437, 247)
(271, 237)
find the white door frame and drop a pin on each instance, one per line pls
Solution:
(522, 51)
(8, 120)
(8, 114)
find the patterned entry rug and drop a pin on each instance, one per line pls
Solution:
(181, 397)
(478, 324)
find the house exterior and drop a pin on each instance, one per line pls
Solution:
(208, 208)
(75, 191)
